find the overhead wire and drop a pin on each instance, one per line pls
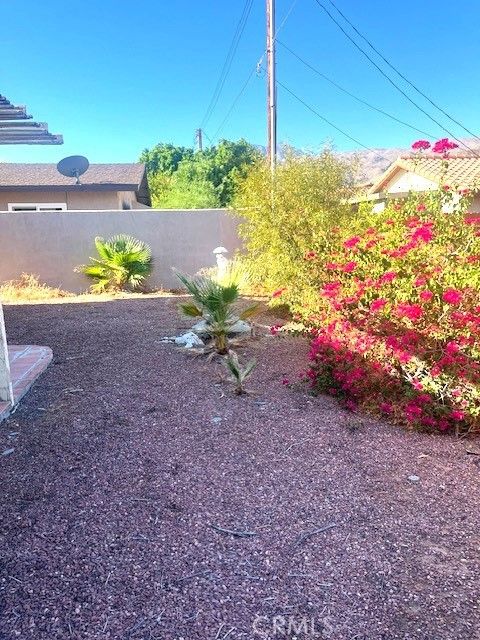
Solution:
(389, 79)
(352, 95)
(400, 74)
(227, 64)
(330, 123)
(255, 69)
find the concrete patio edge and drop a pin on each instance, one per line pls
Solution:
(27, 363)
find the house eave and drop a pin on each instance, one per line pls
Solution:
(70, 187)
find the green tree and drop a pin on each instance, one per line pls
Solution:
(164, 158)
(180, 177)
(228, 162)
(187, 188)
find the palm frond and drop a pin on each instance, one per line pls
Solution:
(249, 312)
(191, 310)
(123, 261)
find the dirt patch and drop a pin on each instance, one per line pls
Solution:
(131, 461)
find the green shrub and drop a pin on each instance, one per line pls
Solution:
(393, 300)
(216, 305)
(285, 217)
(123, 263)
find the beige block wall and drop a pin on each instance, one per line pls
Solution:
(52, 244)
(97, 200)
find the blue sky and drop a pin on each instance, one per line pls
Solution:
(116, 76)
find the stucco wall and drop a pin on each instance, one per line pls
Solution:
(409, 181)
(74, 199)
(52, 244)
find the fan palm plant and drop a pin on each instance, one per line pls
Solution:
(238, 373)
(123, 263)
(214, 303)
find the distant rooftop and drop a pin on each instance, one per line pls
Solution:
(45, 175)
(463, 170)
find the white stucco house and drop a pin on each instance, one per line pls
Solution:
(425, 173)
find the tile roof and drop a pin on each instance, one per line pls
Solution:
(463, 171)
(18, 174)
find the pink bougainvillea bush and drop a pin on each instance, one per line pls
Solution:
(393, 303)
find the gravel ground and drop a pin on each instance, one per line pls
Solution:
(127, 452)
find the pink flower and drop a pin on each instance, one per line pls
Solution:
(351, 405)
(452, 296)
(457, 415)
(420, 281)
(331, 266)
(349, 267)
(285, 381)
(444, 145)
(275, 329)
(278, 293)
(351, 242)
(377, 304)
(421, 145)
(386, 407)
(310, 255)
(423, 233)
(331, 289)
(443, 424)
(421, 207)
(452, 347)
(388, 276)
(426, 295)
(411, 311)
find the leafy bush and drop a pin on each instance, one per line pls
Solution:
(216, 305)
(124, 263)
(286, 217)
(392, 300)
(399, 315)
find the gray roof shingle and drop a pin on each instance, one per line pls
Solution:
(19, 174)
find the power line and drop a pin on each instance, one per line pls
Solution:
(330, 123)
(233, 105)
(399, 73)
(255, 69)
(392, 82)
(352, 95)
(228, 61)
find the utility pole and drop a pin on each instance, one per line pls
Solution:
(199, 139)
(271, 86)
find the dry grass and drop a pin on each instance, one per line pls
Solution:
(29, 288)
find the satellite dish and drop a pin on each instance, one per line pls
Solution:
(73, 167)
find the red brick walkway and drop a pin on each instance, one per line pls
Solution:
(27, 362)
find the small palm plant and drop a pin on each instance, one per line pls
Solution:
(214, 303)
(124, 262)
(238, 373)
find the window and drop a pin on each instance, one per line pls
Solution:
(37, 206)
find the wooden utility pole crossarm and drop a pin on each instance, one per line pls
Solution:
(271, 86)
